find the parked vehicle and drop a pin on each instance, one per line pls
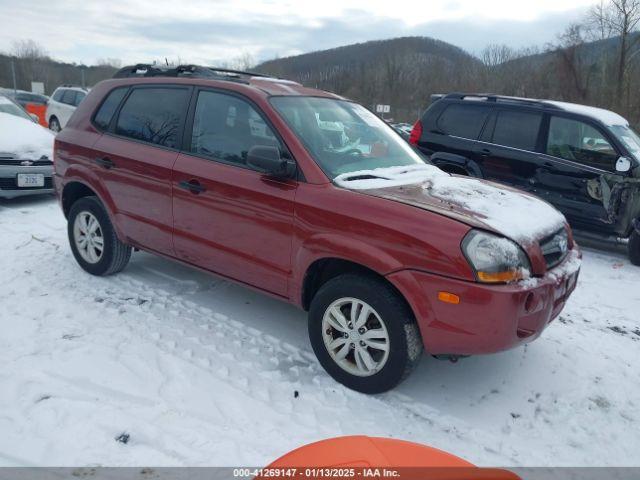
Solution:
(63, 103)
(34, 103)
(250, 177)
(583, 160)
(403, 129)
(26, 153)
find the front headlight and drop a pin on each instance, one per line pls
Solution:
(495, 259)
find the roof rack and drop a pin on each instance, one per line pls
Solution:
(192, 71)
(492, 97)
(71, 85)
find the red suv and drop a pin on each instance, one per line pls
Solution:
(312, 199)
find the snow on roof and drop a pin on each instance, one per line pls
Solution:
(607, 117)
(24, 138)
(520, 216)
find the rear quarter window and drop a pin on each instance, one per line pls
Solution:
(464, 121)
(69, 97)
(103, 116)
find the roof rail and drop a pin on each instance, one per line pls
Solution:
(193, 71)
(492, 97)
(71, 85)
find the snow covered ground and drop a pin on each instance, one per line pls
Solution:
(198, 371)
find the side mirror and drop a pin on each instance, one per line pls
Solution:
(623, 165)
(268, 160)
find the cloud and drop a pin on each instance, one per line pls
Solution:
(208, 32)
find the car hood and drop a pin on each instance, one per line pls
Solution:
(24, 139)
(478, 203)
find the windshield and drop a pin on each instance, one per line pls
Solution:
(630, 139)
(344, 137)
(7, 106)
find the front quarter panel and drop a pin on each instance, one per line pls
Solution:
(382, 235)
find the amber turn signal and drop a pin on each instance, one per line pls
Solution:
(500, 277)
(447, 297)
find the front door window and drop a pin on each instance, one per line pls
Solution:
(580, 142)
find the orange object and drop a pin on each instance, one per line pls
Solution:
(449, 297)
(394, 458)
(40, 111)
(501, 277)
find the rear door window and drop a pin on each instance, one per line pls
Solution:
(580, 142)
(154, 115)
(464, 121)
(225, 127)
(57, 96)
(517, 129)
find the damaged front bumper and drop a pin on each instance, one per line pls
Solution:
(488, 318)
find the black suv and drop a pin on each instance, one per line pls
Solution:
(583, 160)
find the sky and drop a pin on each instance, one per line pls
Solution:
(217, 31)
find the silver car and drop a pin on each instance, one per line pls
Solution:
(26, 153)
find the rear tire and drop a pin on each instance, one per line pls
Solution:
(93, 240)
(634, 248)
(388, 324)
(54, 125)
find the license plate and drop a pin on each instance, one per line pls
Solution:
(30, 180)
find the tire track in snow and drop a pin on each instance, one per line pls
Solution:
(270, 369)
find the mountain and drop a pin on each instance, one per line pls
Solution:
(401, 72)
(404, 72)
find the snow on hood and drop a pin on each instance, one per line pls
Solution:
(24, 138)
(517, 215)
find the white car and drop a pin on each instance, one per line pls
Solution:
(62, 104)
(26, 153)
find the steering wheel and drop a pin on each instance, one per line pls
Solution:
(354, 152)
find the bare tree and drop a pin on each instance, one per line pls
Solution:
(618, 18)
(598, 21)
(494, 54)
(28, 49)
(109, 62)
(33, 62)
(244, 61)
(574, 77)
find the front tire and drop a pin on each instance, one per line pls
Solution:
(93, 240)
(363, 332)
(54, 125)
(634, 248)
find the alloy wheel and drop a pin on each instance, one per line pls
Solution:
(88, 237)
(355, 336)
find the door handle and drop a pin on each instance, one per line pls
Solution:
(485, 152)
(105, 162)
(193, 186)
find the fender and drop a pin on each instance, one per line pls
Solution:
(445, 158)
(78, 173)
(325, 245)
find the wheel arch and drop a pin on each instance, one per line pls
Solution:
(77, 188)
(450, 162)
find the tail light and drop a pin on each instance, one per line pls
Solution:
(416, 133)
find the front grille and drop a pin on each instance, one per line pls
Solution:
(34, 163)
(12, 184)
(555, 248)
